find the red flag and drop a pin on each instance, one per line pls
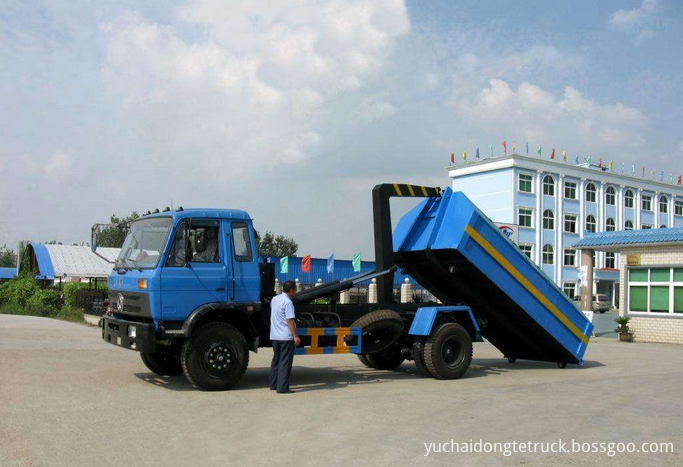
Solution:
(600, 163)
(452, 158)
(505, 146)
(552, 154)
(306, 264)
(680, 179)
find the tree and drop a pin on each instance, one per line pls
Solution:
(276, 245)
(114, 235)
(8, 258)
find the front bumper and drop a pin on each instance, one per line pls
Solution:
(116, 331)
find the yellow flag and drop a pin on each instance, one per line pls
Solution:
(564, 156)
(611, 166)
(514, 146)
(464, 155)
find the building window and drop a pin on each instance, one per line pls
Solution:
(590, 193)
(646, 203)
(650, 290)
(678, 210)
(591, 226)
(610, 196)
(548, 185)
(570, 190)
(548, 220)
(548, 254)
(628, 225)
(525, 217)
(569, 257)
(663, 204)
(646, 226)
(628, 199)
(525, 183)
(570, 223)
(610, 260)
(569, 288)
(610, 226)
(527, 249)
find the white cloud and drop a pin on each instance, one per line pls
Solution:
(249, 91)
(58, 164)
(374, 109)
(638, 21)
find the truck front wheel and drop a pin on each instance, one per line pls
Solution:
(447, 352)
(215, 357)
(163, 362)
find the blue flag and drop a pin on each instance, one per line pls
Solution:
(633, 170)
(356, 262)
(284, 265)
(477, 155)
(577, 159)
(661, 176)
(330, 264)
(622, 167)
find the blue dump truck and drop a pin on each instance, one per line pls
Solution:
(191, 295)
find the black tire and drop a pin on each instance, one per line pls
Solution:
(364, 360)
(418, 357)
(163, 363)
(512, 359)
(448, 351)
(388, 359)
(215, 357)
(381, 328)
(561, 364)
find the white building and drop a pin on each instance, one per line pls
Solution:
(555, 203)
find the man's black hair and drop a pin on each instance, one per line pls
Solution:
(288, 285)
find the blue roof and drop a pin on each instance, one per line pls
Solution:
(8, 273)
(201, 212)
(46, 269)
(620, 238)
(343, 269)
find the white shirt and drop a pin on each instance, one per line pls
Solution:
(281, 309)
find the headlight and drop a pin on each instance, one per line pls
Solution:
(142, 283)
(131, 332)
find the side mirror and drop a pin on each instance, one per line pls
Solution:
(96, 230)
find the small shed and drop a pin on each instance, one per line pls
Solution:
(7, 274)
(68, 263)
(650, 277)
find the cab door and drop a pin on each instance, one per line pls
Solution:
(195, 272)
(245, 277)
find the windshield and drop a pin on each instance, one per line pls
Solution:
(144, 243)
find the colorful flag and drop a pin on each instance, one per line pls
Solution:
(552, 153)
(564, 156)
(477, 154)
(653, 174)
(622, 167)
(452, 158)
(539, 150)
(306, 263)
(514, 147)
(600, 163)
(356, 262)
(611, 166)
(588, 159)
(284, 265)
(671, 178)
(643, 172)
(464, 155)
(330, 264)
(633, 170)
(527, 148)
(577, 159)
(661, 176)
(505, 147)
(680, 179)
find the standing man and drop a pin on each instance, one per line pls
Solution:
(284, 338)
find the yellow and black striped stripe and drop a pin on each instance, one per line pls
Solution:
(416, 191)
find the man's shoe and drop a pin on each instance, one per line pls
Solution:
(286, 392)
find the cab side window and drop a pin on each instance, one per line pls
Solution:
(242, 242)
(195, 242)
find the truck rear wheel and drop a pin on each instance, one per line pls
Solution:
(447, 352)
(418, 357)
(163, 363)
(388, 359)
(381, 328)
(215, 357)
(364, 360)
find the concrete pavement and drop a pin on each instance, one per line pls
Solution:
(68, 399)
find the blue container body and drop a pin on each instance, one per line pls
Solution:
(452, 249)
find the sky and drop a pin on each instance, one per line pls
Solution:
(293, 110)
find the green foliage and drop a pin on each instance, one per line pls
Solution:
(44, 302)
(8, 258)
(70, 291)
(622, 322)
(114, 235)
(276, 245)
(18, 291)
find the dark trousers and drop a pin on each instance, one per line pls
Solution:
(281, 366)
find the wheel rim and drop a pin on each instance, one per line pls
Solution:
(218, 359)
(452, 352)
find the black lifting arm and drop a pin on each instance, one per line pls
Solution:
(384, 247)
